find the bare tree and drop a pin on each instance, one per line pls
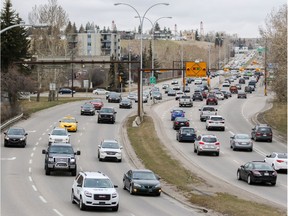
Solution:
(55, 16)
(274, 39)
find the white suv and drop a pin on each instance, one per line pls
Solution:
(110, 149)
(207, 143)
(215, 122)
(59, 135)
(94, 189)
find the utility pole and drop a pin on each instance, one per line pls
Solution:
(265, 68)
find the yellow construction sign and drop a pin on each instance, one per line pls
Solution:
(196, 69)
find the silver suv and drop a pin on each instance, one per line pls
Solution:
(110, 149)
(207, 111)
(207, 143)
(94, 189)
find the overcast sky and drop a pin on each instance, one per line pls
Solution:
(241, 17)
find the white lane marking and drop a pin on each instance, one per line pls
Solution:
(260, 152)
(40, 138)
(34, 187)
(236, 162)
(34, 148)
(30, 178)
(47, 129)
(33, 131)
(12, 158)
(30, 161)
(231, 132)
(43, 134)
(42, 199)
(29, 169)
(32, 154)
(36, 143)
(57, 212)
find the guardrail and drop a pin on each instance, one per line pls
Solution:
(11, 121)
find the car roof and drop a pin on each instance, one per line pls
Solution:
(208, 135)
(94, 174)
(59, 128)
(141, 170)
(61, 144)
(110, 140)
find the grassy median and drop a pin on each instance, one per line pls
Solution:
(156, 157)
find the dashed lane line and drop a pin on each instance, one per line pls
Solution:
(57, 212)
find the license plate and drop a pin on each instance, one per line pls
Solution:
(188, 134)
(264, 135)
(266, 174)
(181, 123)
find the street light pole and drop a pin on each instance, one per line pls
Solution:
(23, 24)
(140, 95)
(219, 41)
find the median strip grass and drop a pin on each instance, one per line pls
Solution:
(155, 156)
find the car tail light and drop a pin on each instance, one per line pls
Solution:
(176, 123)
(201, 143)
(222, 122)
(210, 121)
(280, 161)
(258, 134)
(187, 123)
(269, 134)
(217, 143)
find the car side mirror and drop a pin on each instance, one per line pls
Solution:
(44, 151)
(99, 146)
(158, 177)
(115, 186)
(78, 152)
(199, 109)
(26, 134)
(268, 156)
(97, 111)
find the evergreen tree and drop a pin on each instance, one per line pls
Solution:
(81, 29)
(14, 45)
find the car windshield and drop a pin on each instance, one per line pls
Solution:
(211, 109)
(188, 130)
(125, 100)
(144, 175)
(265, 129)
(216, 118)
(70, 120)
(61, 150)
(209, 139)
(97, 183)
(59, 132)
(177, 111)
(282, 155)
(96, 101)
(107, 110)
(88, 105)
(262, 166)
(242, 136)
(15, 131)
(111, 145)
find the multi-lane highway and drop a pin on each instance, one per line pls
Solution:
(26, 190)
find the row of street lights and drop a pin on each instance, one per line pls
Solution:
(140, 85)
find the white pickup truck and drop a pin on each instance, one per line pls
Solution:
(207, 111)
(185, 100)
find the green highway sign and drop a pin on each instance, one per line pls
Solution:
(152, 80)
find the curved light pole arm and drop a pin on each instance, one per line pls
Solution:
(21, 24)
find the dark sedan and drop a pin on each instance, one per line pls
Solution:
(142, 181)
(87, 109)
(66, 91)
(180, 122)
(15, 136)
(227, 94)
(197, 96)
(257, 172)
(186, 134)
(125, 103)
(114, 98)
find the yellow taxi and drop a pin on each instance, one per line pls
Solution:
(69, 123)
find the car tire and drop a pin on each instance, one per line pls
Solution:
(217, 153)
(195, 149)
(223, 129)
(131, 189)
(198, 152)
(273, 183)
(82, 206)
(238, 175)
(251, 149)
(119, 160)
(72, 197)
(74, 172)
(47, 171)
(115, 209)
(249, 180)
(98, 121)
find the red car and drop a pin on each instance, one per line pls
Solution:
(211, 99)
(97, 103)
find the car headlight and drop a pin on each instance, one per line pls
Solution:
(114, 195)
(23, 138)
(51, 159)
(88, 194)
(72, 160)
(7, 138)
(158, 185)
(137, 185)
